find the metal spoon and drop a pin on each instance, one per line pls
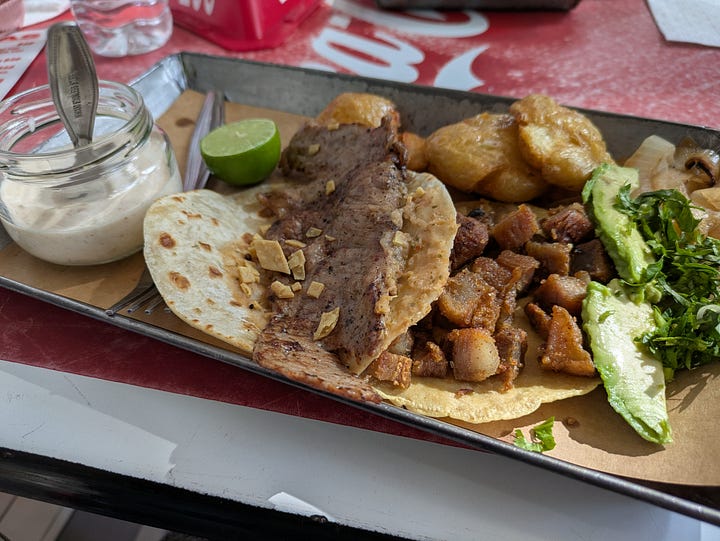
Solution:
(73, 80)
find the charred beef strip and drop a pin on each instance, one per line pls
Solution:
(317, 152)
(349, 253)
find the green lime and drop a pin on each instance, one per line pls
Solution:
(243, 152)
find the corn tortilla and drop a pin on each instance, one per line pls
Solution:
(486, 401)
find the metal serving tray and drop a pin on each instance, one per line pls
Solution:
(423, 109)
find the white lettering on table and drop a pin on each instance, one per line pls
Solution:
(207, 5)
(458, 73)
(421, 22)
(385, 58)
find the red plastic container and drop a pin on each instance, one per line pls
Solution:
(242, 25)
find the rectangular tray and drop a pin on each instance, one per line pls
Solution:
(503, 5)
(306, 92)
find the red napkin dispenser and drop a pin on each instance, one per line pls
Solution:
(242, 25)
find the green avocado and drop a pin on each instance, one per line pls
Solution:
(633, 379)
(620, 236)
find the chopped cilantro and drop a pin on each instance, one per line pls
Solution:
(541, 437)
(686, 275)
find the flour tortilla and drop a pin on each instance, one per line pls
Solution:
(191, 240)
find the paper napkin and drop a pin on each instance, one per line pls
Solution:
(688, 21)
(18, 45)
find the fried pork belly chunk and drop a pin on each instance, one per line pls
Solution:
(470, 301)
(561, 142)
(521, 267)
(591, 257)
(565, 291)
(392, 368)
(513, 230)
(569, 224)
(509, 274)
(554, 257)
(470, 241)
(539, 319)
(475, 356)
(429, 360)
(511, 343)
(564, 351)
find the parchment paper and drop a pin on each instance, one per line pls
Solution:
(588, 432)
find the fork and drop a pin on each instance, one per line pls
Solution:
(211, 116)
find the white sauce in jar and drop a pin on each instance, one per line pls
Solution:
(94, 222)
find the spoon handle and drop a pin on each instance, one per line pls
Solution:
(73, 80)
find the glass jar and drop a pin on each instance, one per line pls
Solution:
(123, 27)
(86, 205)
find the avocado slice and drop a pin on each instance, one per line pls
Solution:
(633, 379)
(620, 236)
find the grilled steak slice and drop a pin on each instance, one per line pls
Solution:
(317, 152)
(350, 252)
(284, 348)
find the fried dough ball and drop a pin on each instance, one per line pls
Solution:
(415, 145)
(481, 155)
(562, 143)
(358, 108)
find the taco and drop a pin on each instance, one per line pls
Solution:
(320, 273)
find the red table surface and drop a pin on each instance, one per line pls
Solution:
(604, 54)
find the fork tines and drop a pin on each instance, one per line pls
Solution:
(212, 115)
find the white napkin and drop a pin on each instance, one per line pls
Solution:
(19, 47)
(17, 14)
(688, 21)
(37, 11)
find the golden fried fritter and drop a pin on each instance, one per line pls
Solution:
(481, 155)
(358, 108)
(562, 143)
(415, 145)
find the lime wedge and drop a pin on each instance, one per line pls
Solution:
(243, 152)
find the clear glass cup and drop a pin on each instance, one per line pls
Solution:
(81, 206)
(123, 27)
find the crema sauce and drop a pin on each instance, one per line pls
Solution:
(94, 222)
